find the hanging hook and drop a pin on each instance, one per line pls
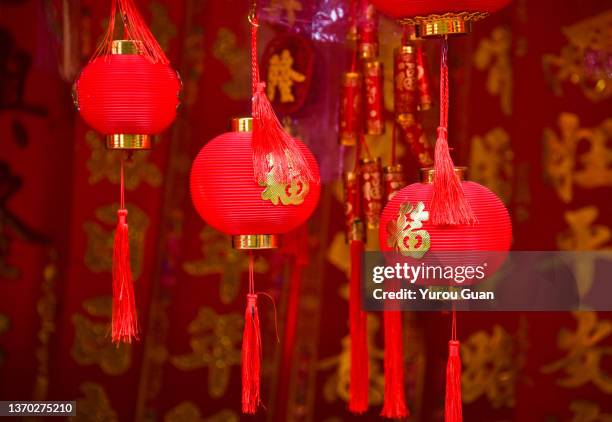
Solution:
(253, 13)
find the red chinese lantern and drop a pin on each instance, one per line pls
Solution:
(128, 92)
(439, 17)
(227, 197)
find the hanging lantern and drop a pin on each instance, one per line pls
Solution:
(439, 17)
(227, 197)
(128, 91)
(127, 97)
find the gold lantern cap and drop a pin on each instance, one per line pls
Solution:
(242, 124)
(255, 241)
(428, 173)
(126, 47)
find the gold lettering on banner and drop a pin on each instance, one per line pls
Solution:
(585, 60)
(92, 345)
(289, 7)
(406, 235)
(587, 411)
(584, 362)
(492, 364)
(337, 383)
(104, 165)
(218, 257)
(282, 76)
(215, 344)
(493, 54)
(492, 162)
(564, 167)
(94, 406)
(236, 60)
(189, 411)
(584, 235)
(99, 248)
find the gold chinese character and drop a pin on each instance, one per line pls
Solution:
(236, 61)
(292, 193)
(189, 411)
(282, 76)
(561, 161)
(215, 343)
(95, 406)
(586, 411)
(288, 6)
(583, 363)
(92, 345)
(218, 257)
(491, 364)
(405, 234)
(492, 162)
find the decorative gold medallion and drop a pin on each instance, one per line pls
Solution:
(292, 193)
(406, 235)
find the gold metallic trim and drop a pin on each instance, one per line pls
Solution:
(442, 25)
(368, 51)
(405, 49)
(364, 161)
(255, 241)
(357, 231)
(427, 174)
(126, 47)
(242, 124)
(128, 141)
(351, 76)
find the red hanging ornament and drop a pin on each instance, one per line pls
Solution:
(367, 30)
(452, 404)
(128, 92)
(439, 17)
(373, 77)
(350, 109)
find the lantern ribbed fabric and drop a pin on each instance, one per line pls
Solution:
(226, 196)
(411, 8)
(492, 232)
(128, 94)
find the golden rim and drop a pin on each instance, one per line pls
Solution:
(397, 168)
(242, 124)
(428, 173)
(128, 141)
(357, 230)
(350, 175)
(365, 161)
(255, 241)
(405, 49)
(126, 47)
(351, 76)
(368, 51)
(453, 23)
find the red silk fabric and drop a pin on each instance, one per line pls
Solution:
(226, 196)
(127, 94)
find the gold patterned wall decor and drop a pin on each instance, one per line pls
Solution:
(494, 55)
(587, 411)
(564, 168)
(189, 411)
(94, 406)
(337, 368)
(492, 364)
(100, 235)
(215, 344)
(583, 234)
(587, 350)
(492, 162)
(162, 26)
(218, 257)
(236, 61)
(92, 345)
(104, 165)
(285, 9)
(584, 61)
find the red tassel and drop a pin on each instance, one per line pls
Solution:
(394, 406)
(251, 357)
(124, 319)
(359, 373)
(134, 28)
(452, 406)
(273, 148)
(449, 206)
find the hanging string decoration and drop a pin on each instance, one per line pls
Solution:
(128, 91)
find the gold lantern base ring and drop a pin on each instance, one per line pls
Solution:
(453, 23)
(128, 141)
(255, 241)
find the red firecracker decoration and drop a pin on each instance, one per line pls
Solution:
(128, 92)
(367, 30)
(373, 77)
(254, 183)
(350, 109)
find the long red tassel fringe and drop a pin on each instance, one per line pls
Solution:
(273, 148)
(452, 406)
(394, 406)
(359, 373)
(449, 206)
(251, 351)
(124, 326)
